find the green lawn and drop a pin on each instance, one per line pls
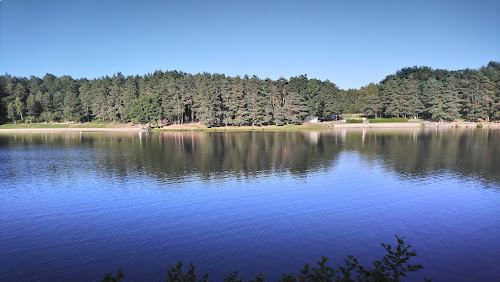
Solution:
(354, 121)
(58, 125)
(378, 120)
(94, 125)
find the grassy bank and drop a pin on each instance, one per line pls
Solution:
(62, 125)
(198, 127)
(354, 121)
(33, 125)
(380, 120)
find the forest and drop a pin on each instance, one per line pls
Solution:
(220, 100)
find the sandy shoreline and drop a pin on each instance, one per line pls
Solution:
(71, 129)
(189, 127)
(377, 125)
(413, 125)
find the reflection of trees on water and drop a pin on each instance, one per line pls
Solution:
(175, 155)
(239, 154)
(423, 152)
(413, 153)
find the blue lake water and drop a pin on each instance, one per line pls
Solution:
(74, 206)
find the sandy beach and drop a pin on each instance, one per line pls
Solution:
(201, 127)
(70, 129)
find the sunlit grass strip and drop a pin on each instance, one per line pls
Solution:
(33, 125)
(354, 121)
(93, 125)
(379, 120)
(58, 125)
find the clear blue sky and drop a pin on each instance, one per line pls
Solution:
(351, 43)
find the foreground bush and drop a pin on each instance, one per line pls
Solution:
(377, 120)
(390, 267)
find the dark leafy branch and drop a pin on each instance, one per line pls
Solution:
(391, 267)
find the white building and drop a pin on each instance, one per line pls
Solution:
(311, 119)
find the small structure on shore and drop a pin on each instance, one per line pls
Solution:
(311, 119)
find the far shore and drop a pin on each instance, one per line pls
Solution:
(129, 127)
(69, 129)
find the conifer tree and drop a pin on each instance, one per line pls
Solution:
(32, 106)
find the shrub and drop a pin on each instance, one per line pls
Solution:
(354, 121)
(390, 267)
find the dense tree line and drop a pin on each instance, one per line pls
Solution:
(437, 94)
(213, 99)
(217, 100)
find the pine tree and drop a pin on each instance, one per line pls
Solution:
(452, 98)
(72, 106)
(145, 109)
(295, 108)
(415, 105)
(436, 100)
(129, 94)
(85, 99)
(278, 92)
(391, 98)
(373, 106)
(241, 114)
(116, 109)
(100, 107)
(32, 106)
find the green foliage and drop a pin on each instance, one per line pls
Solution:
(321, 97)
(109, 278)
(72, 107)
(373, 106)
(219, 100)
(308, 273)
(391, 267)
(379, 120)
(11, 112)
(176, 274)
(48, 117)
(32, 107)
(479, 125)
(352, 109)
(234, 277)
(145, 109)
(19, 107)
(354, 121)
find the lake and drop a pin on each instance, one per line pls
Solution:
(74, 206)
